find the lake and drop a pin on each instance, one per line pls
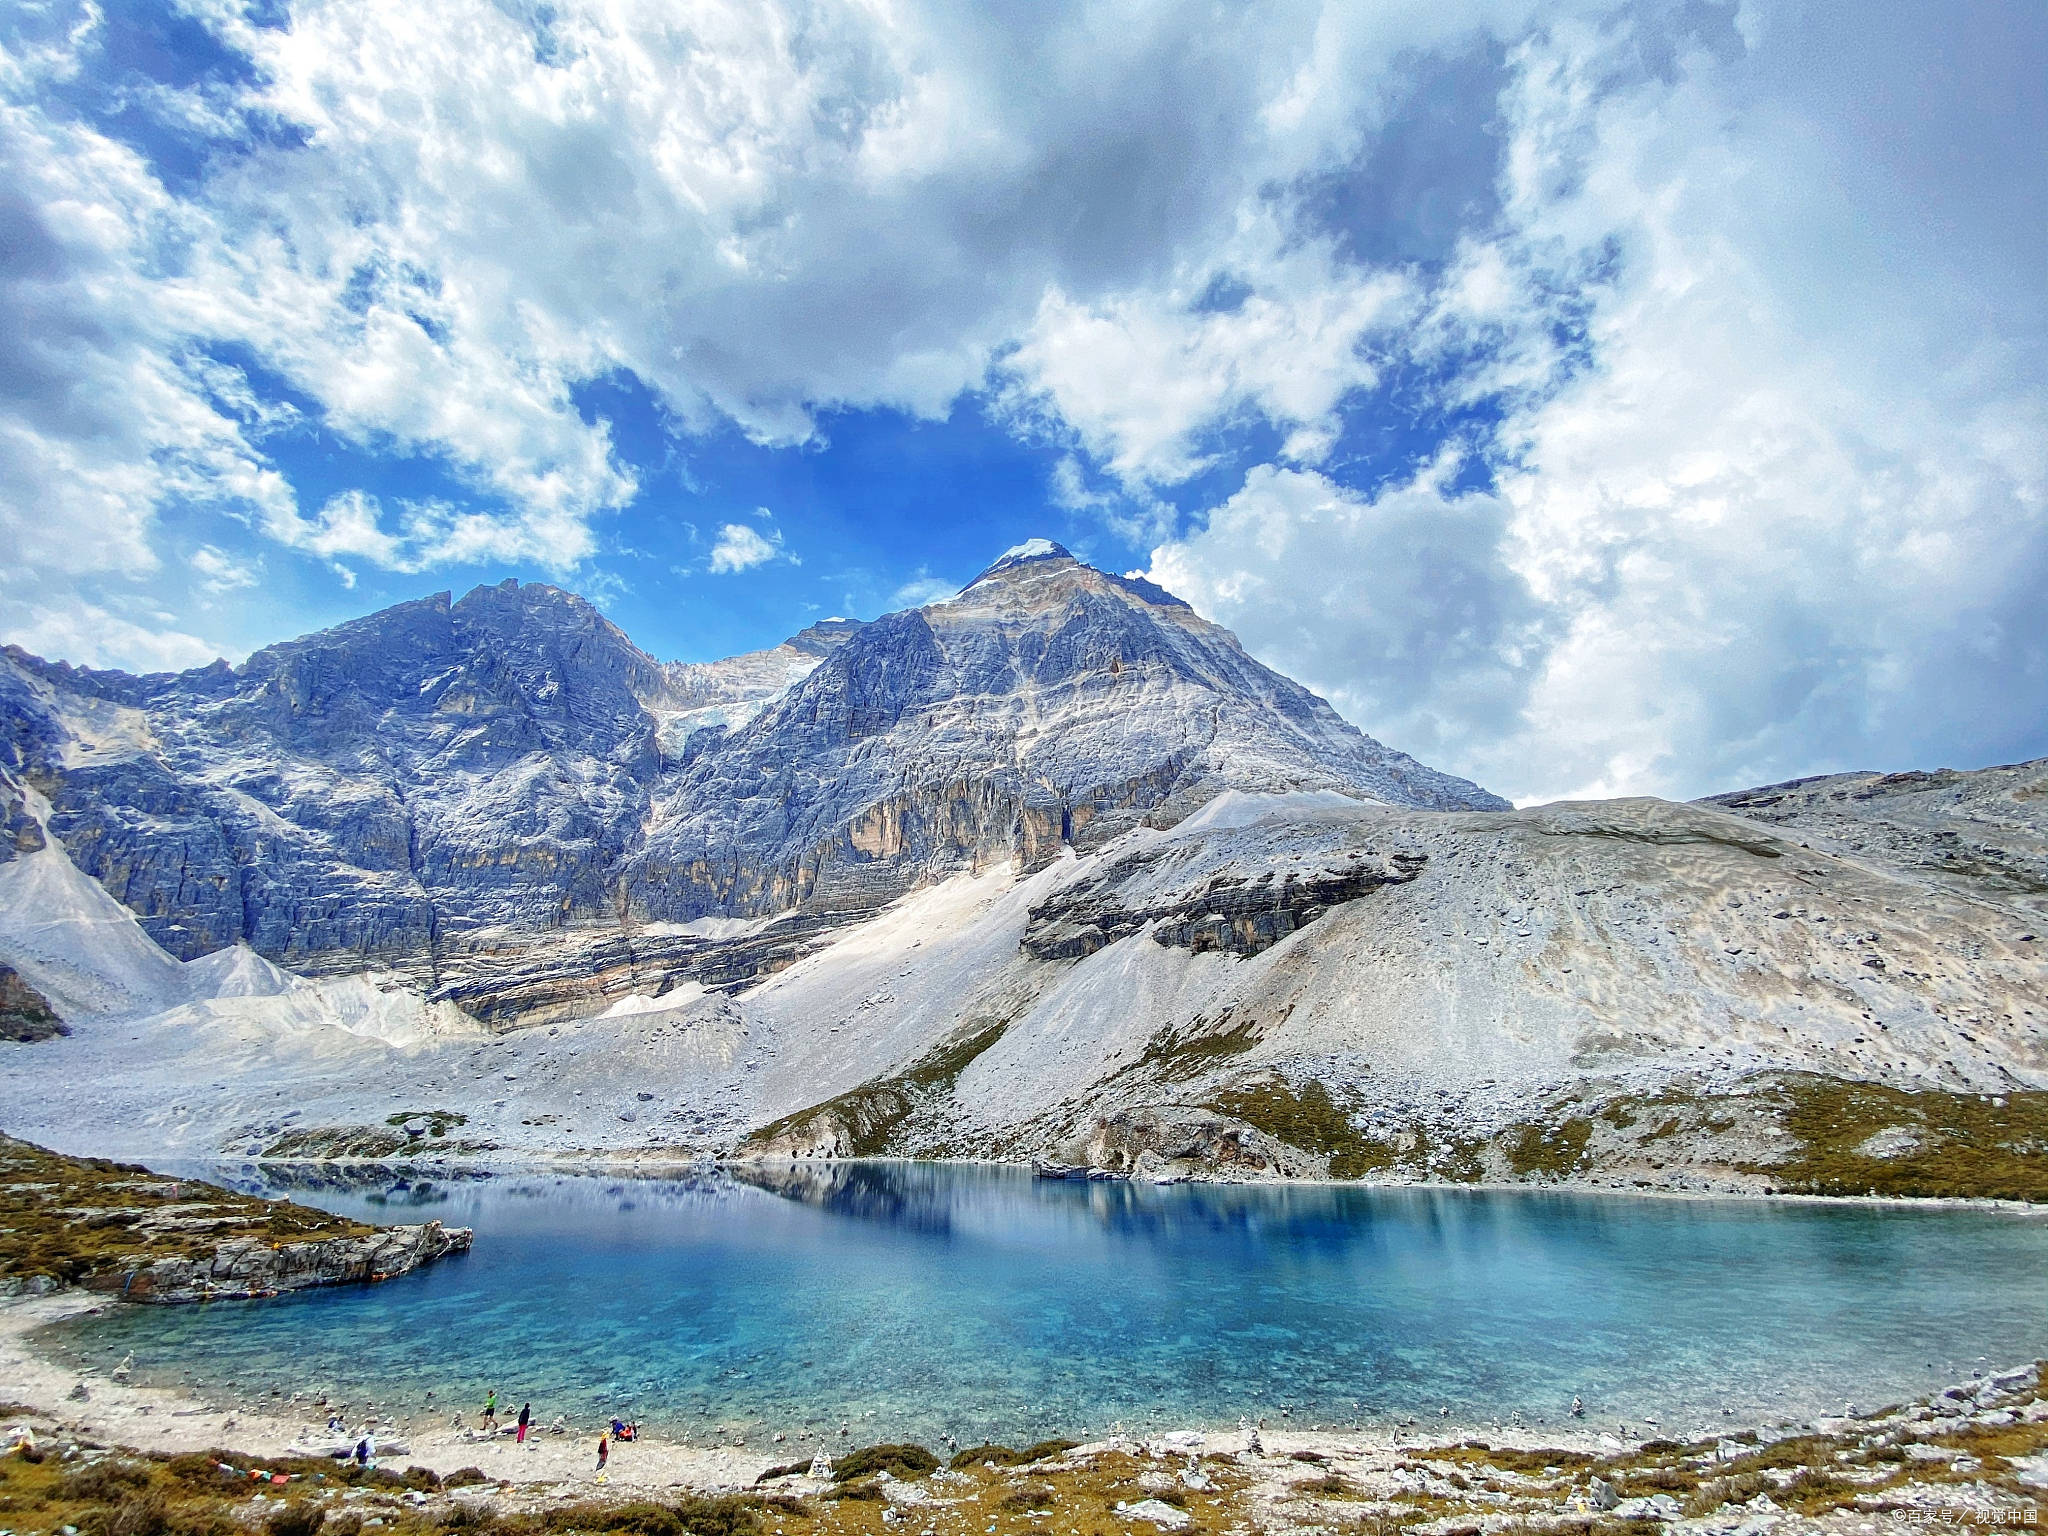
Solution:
(913, 1300)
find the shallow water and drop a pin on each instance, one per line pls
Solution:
(909, 1300)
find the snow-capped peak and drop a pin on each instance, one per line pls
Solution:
(1024, 554)
(1033, 549)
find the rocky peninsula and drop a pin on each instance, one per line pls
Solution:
(144, 1237)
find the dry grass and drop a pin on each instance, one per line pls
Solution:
(1995, 1147)
(1308, 1119)
(76, 1218)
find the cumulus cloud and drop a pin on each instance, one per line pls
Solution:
(1770, 499)
(89, 633)
(922, 589)
(435, 223)
(1743, 299)
(1143, 377)
(741, 548)
(1406, 606)
(220, 571)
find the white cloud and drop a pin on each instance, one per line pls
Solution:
(1758, 307)
(740, 548)
(220, 571)
(1405, 608)
(457, 214)
(921, 589)
(1786, 510)
(92, 635)
(1144, 376)
(426, 533)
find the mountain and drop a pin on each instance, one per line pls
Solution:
(1626, 993)
(1048, 705)
(1051, 869)
(504, 798)
(380, 792)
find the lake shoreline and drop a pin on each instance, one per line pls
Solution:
(625, 1163)
(177, 1418)
(1935, 1458)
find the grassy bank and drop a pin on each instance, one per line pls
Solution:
(69, 1220)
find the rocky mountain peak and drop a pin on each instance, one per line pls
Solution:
(449, 776)
(1030, 552)
(823, 637)
(1048, 704)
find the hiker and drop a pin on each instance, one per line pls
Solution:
(604, 1449)
(525, 1418)
(491, 1409)
(363, 1450)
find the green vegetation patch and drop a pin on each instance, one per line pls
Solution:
(1175, 1058)
(1552, 1151)
(871, 1114)
(1308, 1119)
(1004, 1456)
(896, 1460)
(439, 1121)
(1942, 1144)
(75, 1218)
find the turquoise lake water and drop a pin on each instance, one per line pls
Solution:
(917, 1300)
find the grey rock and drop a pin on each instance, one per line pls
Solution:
(1657, 1506)
(247, 1267)
(498, 796)
(25, 1014)
(1243, 895)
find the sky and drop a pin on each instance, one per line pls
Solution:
(1588, 399)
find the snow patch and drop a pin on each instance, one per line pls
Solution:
(683, 996)
(78, 946)
(1240, 808)
(1030, 549)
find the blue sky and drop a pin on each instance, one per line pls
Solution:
(1588, 398)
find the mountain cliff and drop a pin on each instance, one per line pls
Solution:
(380, 792)
(495, 794)
(1048, 705)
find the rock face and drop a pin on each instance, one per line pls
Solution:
(457, 790)
(1048, 705)
(245, 1267)
(25, 1014)
(1982, 829)
(1239, 894)
(391, 792)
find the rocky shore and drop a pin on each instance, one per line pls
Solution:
(1975, 1454)
(245, 1267)
(118, 1229)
